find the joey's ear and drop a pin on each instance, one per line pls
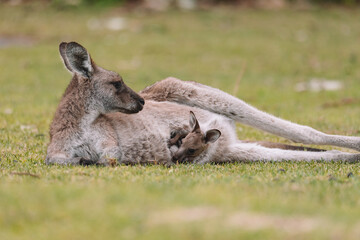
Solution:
(212, 135)
(193, 122)
(76, 59)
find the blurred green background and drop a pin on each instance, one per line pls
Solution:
(295, 59)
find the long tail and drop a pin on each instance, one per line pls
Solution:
(285, 146)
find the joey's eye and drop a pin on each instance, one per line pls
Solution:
(191, 151)
(117, 85)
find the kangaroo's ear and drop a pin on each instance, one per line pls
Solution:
(212, 135)
(193, 123)
(76, 59)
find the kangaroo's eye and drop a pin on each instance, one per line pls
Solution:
(117, 85)
(191, 151)
(173, 134)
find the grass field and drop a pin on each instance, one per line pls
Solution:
(267, 53)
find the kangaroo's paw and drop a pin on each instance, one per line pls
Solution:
(86, 162)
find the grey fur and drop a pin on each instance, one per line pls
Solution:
(100, 118)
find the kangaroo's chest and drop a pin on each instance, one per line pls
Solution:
(83, 146)
(94, 140)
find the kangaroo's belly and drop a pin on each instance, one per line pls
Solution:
(149, 147)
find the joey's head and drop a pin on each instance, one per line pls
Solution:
(109, 93)
(195, 142)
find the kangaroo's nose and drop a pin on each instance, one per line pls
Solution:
(142, 101)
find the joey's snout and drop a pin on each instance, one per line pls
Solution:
(178, 156)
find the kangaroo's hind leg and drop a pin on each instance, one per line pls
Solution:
(217, 101)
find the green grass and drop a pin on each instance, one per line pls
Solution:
(256, 201)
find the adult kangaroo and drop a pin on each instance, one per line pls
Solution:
(99, 119)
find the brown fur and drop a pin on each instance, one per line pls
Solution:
(177, 136)
(195, 142)
(71, 108)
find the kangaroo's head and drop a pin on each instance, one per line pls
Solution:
(109, 93)
(195, 142)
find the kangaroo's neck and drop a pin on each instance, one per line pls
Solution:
(76, 109)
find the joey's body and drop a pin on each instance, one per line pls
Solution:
(100, 118)
(214, 153)
(206, 143)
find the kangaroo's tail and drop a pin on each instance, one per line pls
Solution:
(285, 146)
